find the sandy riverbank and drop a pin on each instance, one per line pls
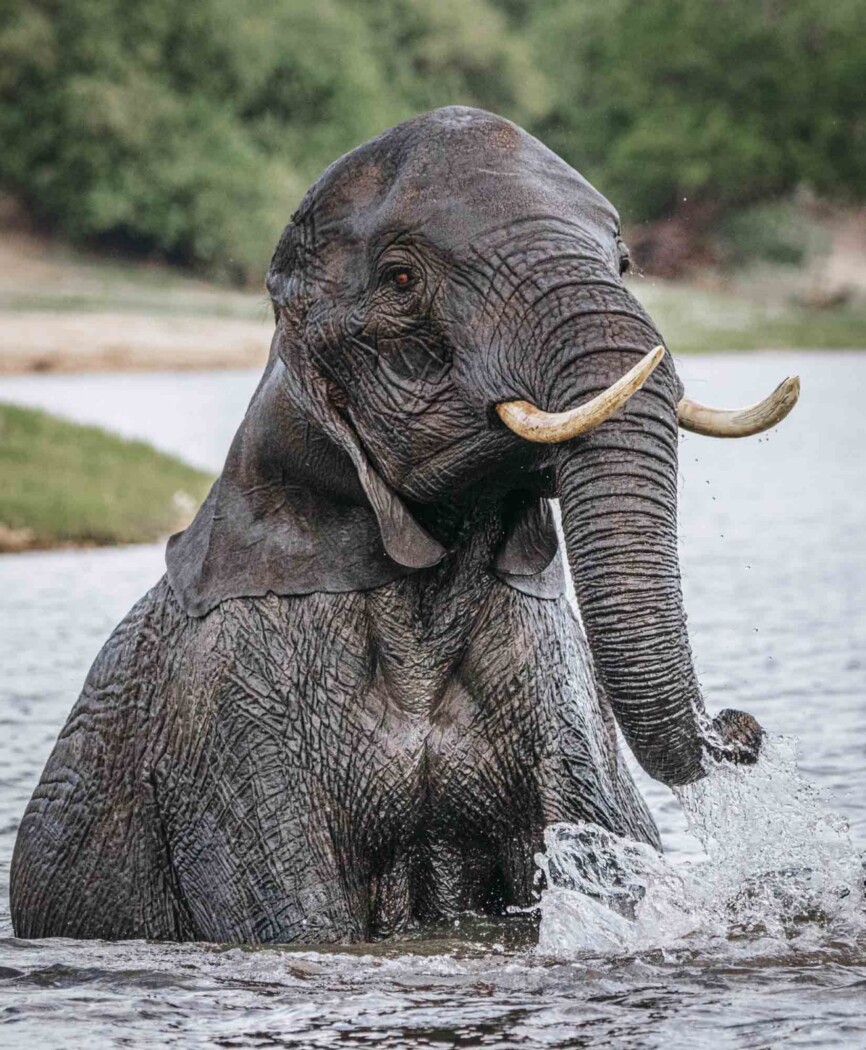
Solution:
(39, 341)
(63, 310)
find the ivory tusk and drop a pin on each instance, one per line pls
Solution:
(550, 428)
(743, 422)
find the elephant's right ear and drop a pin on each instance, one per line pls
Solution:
(529, 559)
(296, 510)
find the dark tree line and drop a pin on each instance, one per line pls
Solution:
(191, 129)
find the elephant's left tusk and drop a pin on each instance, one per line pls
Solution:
(550, 428)
(723, 423)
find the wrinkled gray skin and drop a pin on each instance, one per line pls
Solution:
(359, 695)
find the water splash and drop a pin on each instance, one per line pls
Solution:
(778, 863)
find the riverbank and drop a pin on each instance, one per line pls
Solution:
(68, 485)
(68, 311)
(63, 310)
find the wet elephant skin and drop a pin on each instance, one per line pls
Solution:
(359, 693)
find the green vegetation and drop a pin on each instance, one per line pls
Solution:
(693, 319)
(775, 232)
(190, 130)
(194, 128)
(713, 102)
(64, 483)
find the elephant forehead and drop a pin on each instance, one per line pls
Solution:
(452, 175)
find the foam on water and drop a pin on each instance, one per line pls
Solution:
(778, 863)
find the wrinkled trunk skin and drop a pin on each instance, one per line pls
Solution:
(618, 491)
(618, 495)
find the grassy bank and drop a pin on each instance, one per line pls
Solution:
(63, 310)
(65, 484)
(41, 275)
(69, 311)
(694, 319)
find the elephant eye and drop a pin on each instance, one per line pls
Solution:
(400, 277)
(624, 256)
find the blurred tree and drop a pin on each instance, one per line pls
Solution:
(189, 128)
(192, 129)
(724, 101)
(455, 51)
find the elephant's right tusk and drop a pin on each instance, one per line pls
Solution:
(743, 422)
(550, 428)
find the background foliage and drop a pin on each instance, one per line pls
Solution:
(192, 129)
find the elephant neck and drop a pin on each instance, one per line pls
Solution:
(421, 625)
(458, 524)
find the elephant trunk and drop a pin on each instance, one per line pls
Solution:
(617, 488)
(616, 476)
(599, 382)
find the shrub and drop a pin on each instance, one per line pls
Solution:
(776, 232)
(191, 129)
(729, 101)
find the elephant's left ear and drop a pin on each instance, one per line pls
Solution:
(530, 559)
(298, 509)
(402, 537)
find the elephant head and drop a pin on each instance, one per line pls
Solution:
(452, 327)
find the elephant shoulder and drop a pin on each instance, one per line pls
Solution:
(93, 854)
(81, 858)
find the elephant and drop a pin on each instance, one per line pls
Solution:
(360, 692)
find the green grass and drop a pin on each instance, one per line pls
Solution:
(62, 483)
(699, 320)
(45, 275)
(80, 283)
(692, 319)
(170, 303)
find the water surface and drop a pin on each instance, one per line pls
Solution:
(773, 549)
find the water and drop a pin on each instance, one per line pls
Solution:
(777, 863)
(748, 933)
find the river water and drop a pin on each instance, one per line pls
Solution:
(749, 933)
